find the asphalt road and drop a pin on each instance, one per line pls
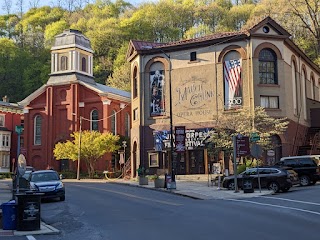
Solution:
(103, 211)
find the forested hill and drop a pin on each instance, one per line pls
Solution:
(26, 38)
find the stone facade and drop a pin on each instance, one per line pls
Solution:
(272, 72)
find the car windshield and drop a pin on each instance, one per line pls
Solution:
(43, 177)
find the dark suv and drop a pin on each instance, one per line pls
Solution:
(307, 168)
(273, 178)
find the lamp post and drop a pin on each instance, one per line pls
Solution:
(79, 149)
(124, 145)
(173, 177)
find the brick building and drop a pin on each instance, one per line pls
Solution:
(53, 111)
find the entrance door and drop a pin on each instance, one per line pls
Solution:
(181, 164)
(196, 162)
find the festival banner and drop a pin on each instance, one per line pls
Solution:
(233, 97)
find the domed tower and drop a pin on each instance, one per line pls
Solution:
(72, 57)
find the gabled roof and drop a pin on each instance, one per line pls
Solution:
(101, 89)
(144, 47)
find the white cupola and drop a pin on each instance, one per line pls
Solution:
(71, 53)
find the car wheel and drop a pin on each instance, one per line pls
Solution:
(231, 185)
(285, 189)
(274, 186)
(313, 182)
(62, 198)
(304, 180)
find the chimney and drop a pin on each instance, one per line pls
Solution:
(5, 99)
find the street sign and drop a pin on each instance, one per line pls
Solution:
(242, 146)
(19, 129)
(256, 150)
(254, 137)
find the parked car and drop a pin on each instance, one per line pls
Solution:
(273, 178)
(47, 182)
(306, 166)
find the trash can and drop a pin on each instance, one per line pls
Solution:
(9, 215)
(28, 211)
(247, 184)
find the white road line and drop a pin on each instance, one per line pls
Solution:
(31, 238)
(131, 195)
(291, 200)
(272, 205)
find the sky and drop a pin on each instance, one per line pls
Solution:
(39, 3)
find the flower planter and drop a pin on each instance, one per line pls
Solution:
(159, 183)
(143, 180)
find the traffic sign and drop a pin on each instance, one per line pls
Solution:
(19, 129)
(254, 137)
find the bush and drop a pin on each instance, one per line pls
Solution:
(6, 175)
(69, 174)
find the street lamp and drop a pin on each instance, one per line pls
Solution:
(79, 150)
(173, 177)
(124, 145)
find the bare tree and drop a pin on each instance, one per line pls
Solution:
(33, 3)
(7, 4)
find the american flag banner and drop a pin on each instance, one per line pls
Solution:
(232, 84)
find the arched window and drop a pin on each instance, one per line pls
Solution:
(127, 125)
(64, 63)
(303, 94)
(135, 83)
(83, 64)
(37, 130)
(268, 67)
(313, 88)
(296, 87)
(114, 122)
(94, 120)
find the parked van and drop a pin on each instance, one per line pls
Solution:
(306, 166)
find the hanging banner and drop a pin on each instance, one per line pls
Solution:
(157, 90)
(180, 138)
(232, 84)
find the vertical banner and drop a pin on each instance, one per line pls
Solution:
(157, 91)
(232, 84)
(180, 138)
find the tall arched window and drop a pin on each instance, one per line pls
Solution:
(135, 83)
(114, 122)
(94, 116)
(127, 125)
(64, 63)
(83, 64)
(296, 88)
(303, 94)
(313, 88)
(268, 67)
(37, 130)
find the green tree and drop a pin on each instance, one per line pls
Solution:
(243, 122)
(93, 146)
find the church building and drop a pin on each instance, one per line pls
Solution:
(53, 112)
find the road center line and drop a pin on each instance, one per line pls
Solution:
(291, 200)
(272, 205)
(131, 195)
(30, 237)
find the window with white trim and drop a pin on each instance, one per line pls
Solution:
(127, 125)
(114, 122)
(37, 130)
(269, 102)
(2, 118)
(94, 116)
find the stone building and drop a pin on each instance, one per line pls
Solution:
(54, 111)
(213, 75)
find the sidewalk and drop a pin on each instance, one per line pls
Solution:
(5, 196)
(197, 189)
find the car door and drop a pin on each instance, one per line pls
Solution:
(252, 173)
